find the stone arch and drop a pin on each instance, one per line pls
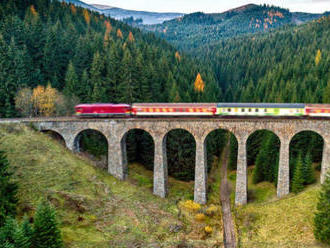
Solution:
(55, 135)
(225, 130)
(316, 144)
(256, 143)
(124, 144)
(218, 139)
(99, 150)
(172, 161)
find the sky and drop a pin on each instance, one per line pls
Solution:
(212, 6)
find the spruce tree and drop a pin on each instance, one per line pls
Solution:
(8, 191)
(322, 216)
(71, 82)
(46, 233)
(7, 233)
(308, 174)
(298, 177)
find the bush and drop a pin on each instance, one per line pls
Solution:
(191, 205)
(322, 216)
(208, 229)
(200, 217)
(211, 210)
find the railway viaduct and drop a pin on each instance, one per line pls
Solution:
(115, 131)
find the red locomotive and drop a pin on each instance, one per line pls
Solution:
(103, 110)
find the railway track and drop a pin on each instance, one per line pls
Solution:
(73, 118)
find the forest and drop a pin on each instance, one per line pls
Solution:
(56, 55)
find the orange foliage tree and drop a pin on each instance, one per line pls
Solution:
(178, 56)
(199, 83)
(119, 34)
(73, 9)
(108, 29)
(130, 37)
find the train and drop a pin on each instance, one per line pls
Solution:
(108, 110)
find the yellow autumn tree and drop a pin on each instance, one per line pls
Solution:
(33, 11)
(130, 37)
(178, 56)
(318, 57)
(119, 33)
(199, 83)
(87, 16)
(44, 100)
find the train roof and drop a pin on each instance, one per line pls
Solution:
(140, 105)
(261, 105)
(318, 105)
(103, 105)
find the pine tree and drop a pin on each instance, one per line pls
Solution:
(261, 162)
(97, 79)
(46, 233)
(298, 177)
(322, 216)
(174, 95)
(8, 191)
(309, 177)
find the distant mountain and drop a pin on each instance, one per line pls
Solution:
(192, 30)
(148, 18)
(81, 4)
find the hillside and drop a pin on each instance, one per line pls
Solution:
(193, 30)
(97, 210)
(89, 57)
(286, 65)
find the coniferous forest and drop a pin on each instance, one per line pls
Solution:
(51, 47)
(54, 55)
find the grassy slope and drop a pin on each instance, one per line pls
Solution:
(97, 210)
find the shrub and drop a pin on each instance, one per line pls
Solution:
(208, 229)
(200, 217)
(191, 205)
(211, 210)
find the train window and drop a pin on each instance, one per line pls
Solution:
(257, 110)
(250, 110)
(297, 110)
(265, 110)
(229, 110)
(243, 110)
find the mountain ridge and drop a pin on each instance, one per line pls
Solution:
(191, 30)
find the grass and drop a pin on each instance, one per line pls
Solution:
(97, 210)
